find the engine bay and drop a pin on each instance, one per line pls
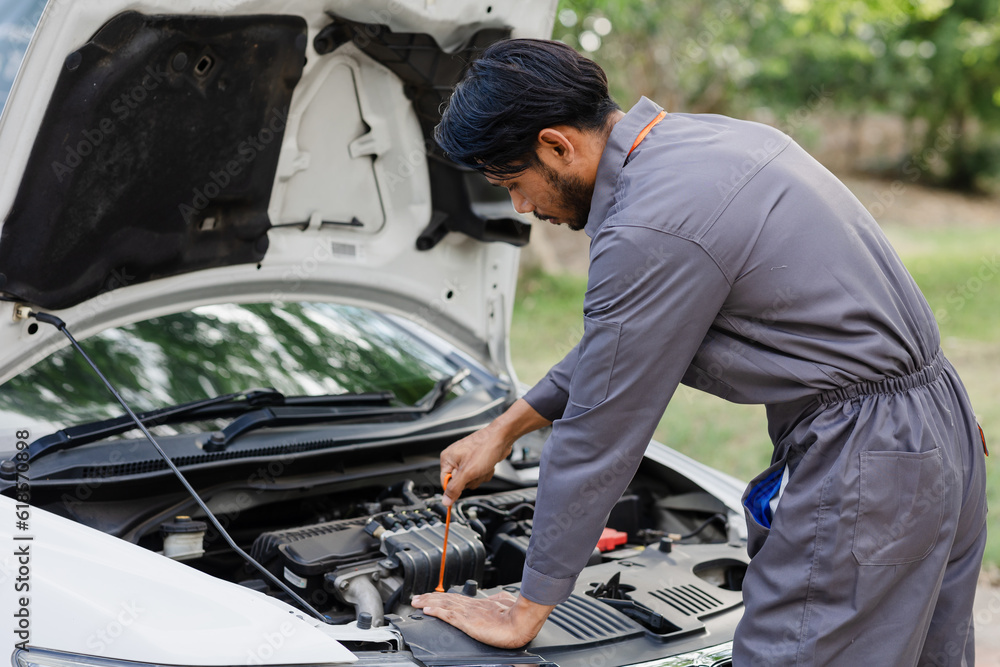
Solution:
(357, 530)
(361, 561)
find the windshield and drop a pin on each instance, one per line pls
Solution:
(297, 348)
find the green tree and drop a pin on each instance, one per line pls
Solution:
(932, 62)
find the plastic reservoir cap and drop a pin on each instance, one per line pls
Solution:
(184, 524)
(610, 539)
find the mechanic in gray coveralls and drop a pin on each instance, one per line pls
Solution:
(724, 257)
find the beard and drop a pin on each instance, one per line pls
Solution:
(572, 195)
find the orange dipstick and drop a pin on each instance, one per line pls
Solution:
(447, 525)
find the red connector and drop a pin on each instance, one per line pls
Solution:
(610, 539)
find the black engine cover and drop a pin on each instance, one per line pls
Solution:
(419, 552)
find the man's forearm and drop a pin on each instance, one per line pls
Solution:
(519, 420)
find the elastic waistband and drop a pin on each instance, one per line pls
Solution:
(924, 376)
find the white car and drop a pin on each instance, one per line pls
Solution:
(237, 208)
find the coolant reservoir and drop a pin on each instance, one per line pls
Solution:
(183, 538)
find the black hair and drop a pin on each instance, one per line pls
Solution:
(514, 90)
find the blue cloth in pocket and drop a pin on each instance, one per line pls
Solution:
(759, 499)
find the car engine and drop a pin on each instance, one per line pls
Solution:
(370, 564)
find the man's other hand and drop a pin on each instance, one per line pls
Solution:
(500, 620)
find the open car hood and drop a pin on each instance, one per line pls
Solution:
(162, 155)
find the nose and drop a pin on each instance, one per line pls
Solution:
(520, 202)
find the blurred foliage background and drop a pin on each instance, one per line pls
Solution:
(931, 65)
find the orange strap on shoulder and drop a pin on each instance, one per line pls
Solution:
(645, 131)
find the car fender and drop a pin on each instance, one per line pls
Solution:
(72, 588)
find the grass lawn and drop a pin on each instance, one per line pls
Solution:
(958, 270)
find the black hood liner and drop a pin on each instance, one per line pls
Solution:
(156, 155)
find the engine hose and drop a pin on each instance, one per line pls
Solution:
(408, 494)
(392, 600)
(477, 526)
(709, 521)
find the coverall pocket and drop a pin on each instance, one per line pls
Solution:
(756, 505)
(592, 374)
(900, 507)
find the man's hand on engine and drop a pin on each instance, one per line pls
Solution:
(501, 620)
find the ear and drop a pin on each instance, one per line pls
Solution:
(556, 146)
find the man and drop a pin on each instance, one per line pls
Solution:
(725, 257)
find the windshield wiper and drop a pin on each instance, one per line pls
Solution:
(441, 389)
(208, 408)
(293, 415)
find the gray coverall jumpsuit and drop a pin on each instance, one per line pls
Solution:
(724, 257)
